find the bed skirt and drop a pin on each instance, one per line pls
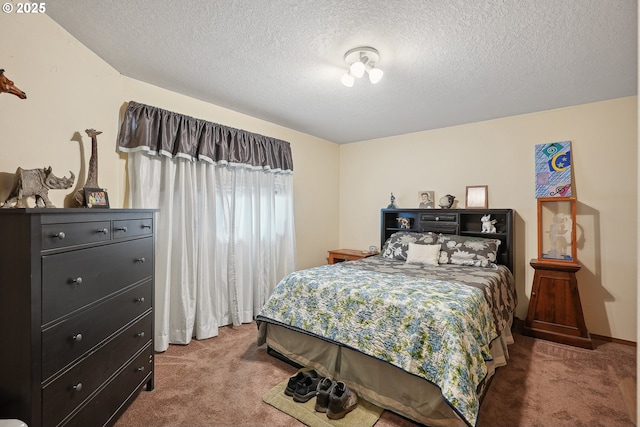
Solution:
(374, 380)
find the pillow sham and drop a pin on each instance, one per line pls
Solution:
(397, 244)
(423, 254)
(466, 250)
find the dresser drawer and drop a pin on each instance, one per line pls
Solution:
(69, 391)
(99, 411)
(66, 341)
(69, 234)
(132, 228)
(74, 279)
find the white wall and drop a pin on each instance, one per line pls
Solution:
(500, 154)
(70, 89)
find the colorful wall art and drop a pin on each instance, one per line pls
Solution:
(553, 169)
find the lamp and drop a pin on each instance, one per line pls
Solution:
(361, 59)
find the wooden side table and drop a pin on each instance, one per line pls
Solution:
(340, 255)
(555, 311)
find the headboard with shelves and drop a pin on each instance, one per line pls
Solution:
(464, 222)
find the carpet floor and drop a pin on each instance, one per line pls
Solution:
(221, 381)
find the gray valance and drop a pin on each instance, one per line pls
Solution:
(167, 133)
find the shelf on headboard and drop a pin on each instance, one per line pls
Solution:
(464, 222)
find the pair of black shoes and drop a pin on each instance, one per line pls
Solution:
(303, 385)
(333, 397)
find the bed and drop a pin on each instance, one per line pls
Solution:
(418, 329)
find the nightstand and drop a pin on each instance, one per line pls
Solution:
(340, 255)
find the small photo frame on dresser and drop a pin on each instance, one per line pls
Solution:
(477, 197)
(96, 198)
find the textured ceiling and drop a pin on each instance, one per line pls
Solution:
(446, 62)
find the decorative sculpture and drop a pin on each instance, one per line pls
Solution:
(7, 86)
(92, 174)
(488, 224)
(446, 202)
(392, 205)
(35, 182)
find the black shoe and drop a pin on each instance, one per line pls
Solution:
(299, 376)
(341, 401)
(306, 389)
(324, 389)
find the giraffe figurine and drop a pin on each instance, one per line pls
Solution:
(7, 86)
(92, 174)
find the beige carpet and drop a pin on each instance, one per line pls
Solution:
(365, 415)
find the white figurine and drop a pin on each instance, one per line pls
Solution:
(560, 235)
(488, 224)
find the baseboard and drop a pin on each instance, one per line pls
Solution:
(518, 324)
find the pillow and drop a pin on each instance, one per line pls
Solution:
(423, 254)
(397, 244)
(465, 250)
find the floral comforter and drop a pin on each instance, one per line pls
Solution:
(435, 322)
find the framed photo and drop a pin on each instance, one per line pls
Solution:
(426, 199)
(96, 198)
(477, 197)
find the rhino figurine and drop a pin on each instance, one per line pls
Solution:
(35, 182)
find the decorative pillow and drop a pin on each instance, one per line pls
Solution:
(465, 250)
(423, 254)
(397, 244)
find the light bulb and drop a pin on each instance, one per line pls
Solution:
(347, 80)
(357, 69)
(375, 74)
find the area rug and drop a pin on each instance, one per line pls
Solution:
(365, 415)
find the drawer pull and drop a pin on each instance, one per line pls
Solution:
(140, 335)
(437, 218)
(141, 260)
(140, 369)
(140, 300)
(77, 280)
(77, 337)
(122, 229)
(59, 235)
(146, 226)
(103, 231)
(77, 387)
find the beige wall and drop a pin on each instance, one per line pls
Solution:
(500, 154)
(339, 190)
(69, 89)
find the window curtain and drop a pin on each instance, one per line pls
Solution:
(225, 223)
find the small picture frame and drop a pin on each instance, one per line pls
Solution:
(426, 199)
(96, 198)
(477, 197)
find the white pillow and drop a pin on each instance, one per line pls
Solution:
(423, 254)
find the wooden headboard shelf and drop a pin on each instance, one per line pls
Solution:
(464, 222)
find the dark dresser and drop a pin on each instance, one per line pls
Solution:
(76, 313)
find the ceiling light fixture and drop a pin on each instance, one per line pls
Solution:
(361, 59)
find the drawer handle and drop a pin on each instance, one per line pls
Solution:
(140, 369)
(60, 235)
(141, 260)
(140, 335)
(122, 229)
(77, 387)
(77, 280)
(77, 337)
(140, 300)
(103, 231)
(146, 226)
(437, 218)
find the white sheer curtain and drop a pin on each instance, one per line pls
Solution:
(225, 224)
(225, 238)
